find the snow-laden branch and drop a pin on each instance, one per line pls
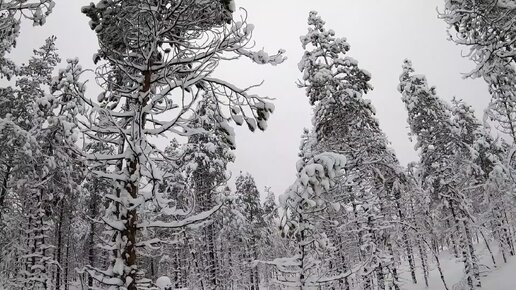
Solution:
(181, 223)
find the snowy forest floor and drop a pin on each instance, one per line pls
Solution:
(501, 276)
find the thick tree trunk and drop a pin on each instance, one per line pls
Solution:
(129, 232)
(129, 214)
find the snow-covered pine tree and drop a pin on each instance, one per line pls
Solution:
(157, 60)
(344, 123)
(446, 163)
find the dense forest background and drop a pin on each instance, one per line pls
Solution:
(91, 199)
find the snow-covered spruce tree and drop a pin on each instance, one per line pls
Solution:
(270, 208)
(232, 228)
(304, 204)
(16, 146)
(344, 123)
(12, 104)
(43, 173)
(92, 200)
(208, 155)
(248, 199)
(60, 170)
(157, 62)
(270, 246)
(446, 162)
(203, 160)
(492, 201)
(15, 123)
(25, 170)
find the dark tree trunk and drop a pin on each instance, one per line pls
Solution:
(59, 244)
(94, 200)
(3, 190)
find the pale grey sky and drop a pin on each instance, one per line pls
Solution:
(381, 34)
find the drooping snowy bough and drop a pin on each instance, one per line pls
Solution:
(303, 203)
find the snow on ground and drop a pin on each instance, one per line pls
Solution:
(503, 278)
(499, 277)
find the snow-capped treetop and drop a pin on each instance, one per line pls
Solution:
(445, 141)
(248, 198)
(327, 72)
(429, 117)
(344, 121)
(210, 148)
(270, 208)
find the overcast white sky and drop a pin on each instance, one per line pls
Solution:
(381, 34)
